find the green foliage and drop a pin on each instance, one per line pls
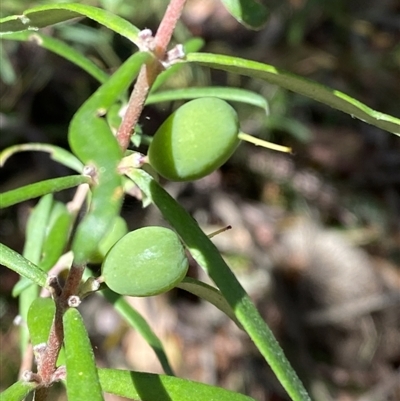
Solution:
(251, 13)
(18, 391)
(37, 189)
(92, 141)
(194, 141)
(40, 317)
(147, 386)
(14, 261)
(80, 363)
(333, 98)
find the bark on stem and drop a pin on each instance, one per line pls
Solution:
(167, 26)
(149, 73)
(48, 360)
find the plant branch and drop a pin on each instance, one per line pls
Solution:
(149, 72)
(47, 361)
(47, 355)
(147, 75)
(167, 26)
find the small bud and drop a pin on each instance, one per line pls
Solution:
(53, 286)
(74, 301)
(146, 40)
(18, 321)
(175, 54)
(59, 374)
(29, 376)
(88, 287)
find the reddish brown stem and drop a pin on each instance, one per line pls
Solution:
(146, 77)
(167, 26)
(149, 73)
(41, 394)
(72, 284)
(47, 363)
(48, 358)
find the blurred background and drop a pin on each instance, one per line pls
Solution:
(315, 236)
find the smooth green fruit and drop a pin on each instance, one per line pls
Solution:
(195, 140)
(147, 261)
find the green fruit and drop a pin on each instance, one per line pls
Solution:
(147, 261)
(195, 140)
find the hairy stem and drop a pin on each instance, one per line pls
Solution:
(149, 72)
(48, 358)
(146, 78)
(167, 26)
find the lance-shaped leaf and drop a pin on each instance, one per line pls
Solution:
(50, 14)
(230, 94)
(57, 227)
(137, 322)
(22, 266)
(208, 293)
(82, 376)
(35, 234)
(208, 257)
(334, 98)
(56, 153)
(40, 318)
(250, 13)
(148, 386)
(93, 142)
(57, 235)
(37, 189)
(36, 229)
(18, 391)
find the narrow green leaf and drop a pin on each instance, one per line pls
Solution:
(69, 53)
(208, 293)
(22, 266)
(35, 233)
(7, 72)
(57, 227)
(93, 142)
(39, 321)
(136, 321)
(40, 318)
(36, 229)
(37, 189)
(250, 13)
(230, 94)
(148, 386)
(57, 235)
(22, 284)
(50, 14)
(333, 98)
(82, 376)
(292, 126)
(18, 391)
(209, 258)
(83, 135)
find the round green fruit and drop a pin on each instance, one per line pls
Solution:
(147, 261)
(195, 140)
